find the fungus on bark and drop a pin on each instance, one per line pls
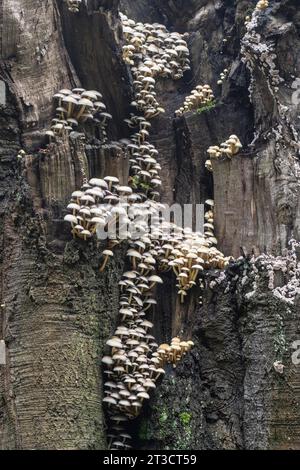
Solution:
(106, 254)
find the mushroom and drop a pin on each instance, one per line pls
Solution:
(134, 256)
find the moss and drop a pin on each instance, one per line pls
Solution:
(185, 418)
(207, 107)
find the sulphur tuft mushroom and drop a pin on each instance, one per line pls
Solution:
(73, 5)
(133, 361)
(262, 5)
(106, 254)
(200, 97)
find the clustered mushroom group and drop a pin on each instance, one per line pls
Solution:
(201, 96)
(262, 5)
(144, 168)
(222, 77)
(229, 148)
(135, 361)
(77, 107)
(73, 5)
(189, 253)
(98, 205)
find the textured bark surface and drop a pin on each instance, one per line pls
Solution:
(58, 310)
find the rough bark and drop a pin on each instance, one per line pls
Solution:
(58, 310)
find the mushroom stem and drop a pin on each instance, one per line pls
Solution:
(147, 308)
(177, 272)
(69, 110)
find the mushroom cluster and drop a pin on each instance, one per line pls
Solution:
(201, 96)
(222, 77)
(152, 52)
(100, 205)
(229, 148)
(156, 244)
(173, 353)
(262, 5)
(188, 253)
(135, 361)
(78, 106)
(73, 5)
(144, 168)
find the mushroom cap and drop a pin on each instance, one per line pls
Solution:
(110, 400)
(65, 91)
(85, 102)
(197, 267)
(98, 182)
(69, 99)
(210, 202)
(130, 274)
(147, 324)
(98, 220)
(90, 95)
(77, 194)
(134, 254)
(50, 133)
(111, 179)
(126, 312)
(86, 233)
(105, 115)
(191, 255)
(107, 360)
(124, 189)
(114, 343)
(164, 347)
(79, 228)
(72, 121)
(148, 80)
(124, 403)
(143, 395)
(88, 197)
